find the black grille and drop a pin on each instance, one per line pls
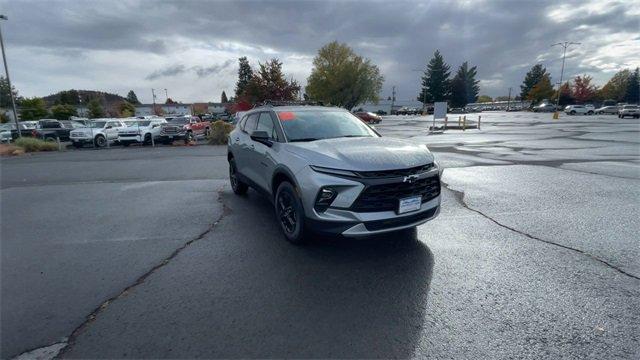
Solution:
(385, 197)
(395, 173)
(399, 221)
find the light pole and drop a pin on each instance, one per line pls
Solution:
(564, 45)
(6, 70)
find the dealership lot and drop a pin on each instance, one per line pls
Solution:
(145, 252)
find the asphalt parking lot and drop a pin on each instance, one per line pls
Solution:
(146, 253)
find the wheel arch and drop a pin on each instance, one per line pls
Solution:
(280, 175)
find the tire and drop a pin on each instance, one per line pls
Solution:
(589, 112)
(100, 141)
(572, 112)
(238, 187)
(290, 213)
(188, 138)
(147, 139)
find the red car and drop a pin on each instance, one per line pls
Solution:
(185, 128)
(369, 117)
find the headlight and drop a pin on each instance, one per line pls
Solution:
(330, 171)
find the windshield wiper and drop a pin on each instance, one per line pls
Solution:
(303, 139)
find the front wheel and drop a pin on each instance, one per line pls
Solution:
(290, 213)
(238, 187)
(589, 112)
(100, 141)
(188, 138)
(573, 112)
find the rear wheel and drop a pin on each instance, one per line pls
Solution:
(290, 213)
(238, 187)
(573, 112)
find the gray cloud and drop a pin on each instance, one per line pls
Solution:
(180, 69)
(213, 70)
(172, 70)
(502, 38)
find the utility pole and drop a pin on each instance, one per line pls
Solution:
(6, 70)
(393, 99)
(509, 100)
(153, 94)
(564, 45)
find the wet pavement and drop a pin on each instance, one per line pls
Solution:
(146, 253)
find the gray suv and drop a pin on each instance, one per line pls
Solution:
(326, 171)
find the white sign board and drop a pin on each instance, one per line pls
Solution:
(439, 110)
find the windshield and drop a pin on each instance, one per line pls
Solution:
(97, 124)
(309, 125)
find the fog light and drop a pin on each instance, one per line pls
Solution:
(325, 198)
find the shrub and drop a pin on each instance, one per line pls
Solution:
(219, 133)
(33, 144)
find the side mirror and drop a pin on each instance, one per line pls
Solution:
(261, 137)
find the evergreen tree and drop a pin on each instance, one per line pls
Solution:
(132, 98)
(435, 81)
(464, 86)
(5, 95)
(223, 98)
(270, 84)
(533, 77)
(542, 90)
(245, 74)
(95, 109)
(632, 95)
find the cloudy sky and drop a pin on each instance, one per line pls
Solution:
(191, 47)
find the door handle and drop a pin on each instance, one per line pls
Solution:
(252, 146)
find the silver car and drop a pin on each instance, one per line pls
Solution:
(326, 171)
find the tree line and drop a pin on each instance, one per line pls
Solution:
(624, 86)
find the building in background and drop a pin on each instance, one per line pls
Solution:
(180, 109)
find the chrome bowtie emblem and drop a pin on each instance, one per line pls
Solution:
(410, 179)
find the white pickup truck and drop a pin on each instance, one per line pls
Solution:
(98, 132)
(141, 131)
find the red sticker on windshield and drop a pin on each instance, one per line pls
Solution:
(286, 116)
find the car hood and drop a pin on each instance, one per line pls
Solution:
(362, 154)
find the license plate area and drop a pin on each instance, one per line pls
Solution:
(409, 204)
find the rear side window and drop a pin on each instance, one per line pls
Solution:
(265, 123)
(250, 123)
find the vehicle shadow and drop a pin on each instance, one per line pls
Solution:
(333, 297)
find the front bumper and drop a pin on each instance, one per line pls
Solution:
(339, 218)
(129, 138)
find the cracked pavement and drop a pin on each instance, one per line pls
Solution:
(115, 255)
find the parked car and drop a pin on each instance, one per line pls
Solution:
(51, 129)
(326, 171)
(457, 111)
(590, 109)
(607, 110)
(381, 112)
(544, 107)
(185, 128)
(575, 110)
(629, 110)
(369, 117)
(141, 132)
(9, 132)
(99, 132)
